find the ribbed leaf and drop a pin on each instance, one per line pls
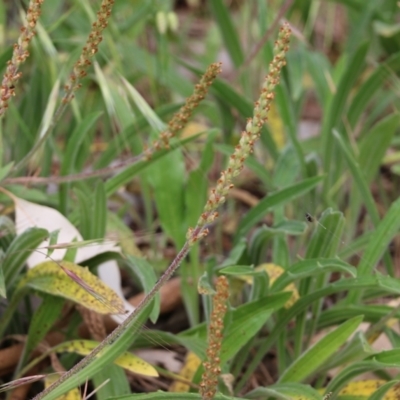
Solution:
(18, 252)
(315, 357)
(279, 198)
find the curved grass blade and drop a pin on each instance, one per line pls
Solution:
(279, 198)
(18, 252)
(285, 391)
(309, 362)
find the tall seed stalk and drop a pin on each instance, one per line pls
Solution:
(217, 197)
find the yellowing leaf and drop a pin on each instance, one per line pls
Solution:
(127, 360)
(365, 388)
(192, 363)
(29, 214)
(274, 272)
(73, 394)
(60, 279)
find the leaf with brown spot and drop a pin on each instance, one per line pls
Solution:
(126, 360)
(75, 283)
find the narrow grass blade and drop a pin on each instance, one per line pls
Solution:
(359, 179)
(248, 320)
(145, 109)
(74, 145)
(387, 229)
(84, 206)
(145, 272)
(18, 252)
(312, 267)
(3, 290)
(375, 143)
(385, 359)
(336, 107)
(167, 179)
(315, 357)
(43, 319)
(228, 31)
(285, 391)
(370, 87)
(117, 386)
(99, 212)
(279, 198)
(327, 236)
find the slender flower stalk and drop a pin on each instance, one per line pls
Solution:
(212, 369)
(217, 198)
(180, 119)
(248, 138)
(20, 54)
(79, 71)
(89, 50)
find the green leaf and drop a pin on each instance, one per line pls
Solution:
(247, 320)
(275, 199)
(236, 253)
(229, 34)
(385, 232)
(320, 71)
(369, 88)
(287, 114)
(285, 391)
(118, 384)
(151, 117)
(18, 252)
(3, 290)
(84, 206)
(71, 154)
(50, 108)
(197, 186)
(98, 213)
(43, 319)
(292, 227)
(315, 357)
(327, 236)
(359, 178)
(374, 145)
(167, 178)
(286, 168)
(238, 270)
(145, 272)
(336, 107)
(4, 171)
(385, 359)
(312, 267)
